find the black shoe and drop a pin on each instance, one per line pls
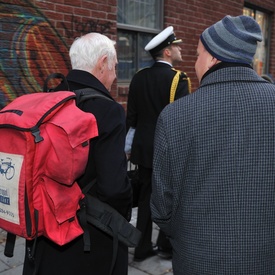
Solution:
(164, 253)
(149, 254)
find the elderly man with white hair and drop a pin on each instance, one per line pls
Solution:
(93, 58)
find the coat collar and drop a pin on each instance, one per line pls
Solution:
(222, 65)
(228, 72)
(162, 64)
(84, 79)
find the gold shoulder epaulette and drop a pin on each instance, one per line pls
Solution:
(189, 83)
(175, 83)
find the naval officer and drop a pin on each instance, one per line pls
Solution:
(150, 90)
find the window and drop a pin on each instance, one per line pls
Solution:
(138, 22)
(261, 58)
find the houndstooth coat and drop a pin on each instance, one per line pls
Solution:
(214, 176)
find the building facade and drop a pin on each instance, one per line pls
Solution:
(35, 36)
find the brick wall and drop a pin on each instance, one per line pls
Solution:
(190, 18)
(35, 36)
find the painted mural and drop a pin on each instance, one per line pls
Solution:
(31, 48)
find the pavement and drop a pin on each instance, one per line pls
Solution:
(151, 266)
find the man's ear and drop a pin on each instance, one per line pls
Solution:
(102, 62)
(167, 52)
(213, 61)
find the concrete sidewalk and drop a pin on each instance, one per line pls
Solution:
(152, 266)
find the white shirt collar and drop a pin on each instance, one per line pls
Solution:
(162, 61)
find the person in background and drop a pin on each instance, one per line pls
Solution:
(213, 186)
(151, 89)
(93, 59)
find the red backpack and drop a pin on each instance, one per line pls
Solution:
(43, 150)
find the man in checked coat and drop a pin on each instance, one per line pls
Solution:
(213, 186)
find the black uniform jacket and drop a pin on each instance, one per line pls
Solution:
(149, 93)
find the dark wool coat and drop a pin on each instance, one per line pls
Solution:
(107, 163)
(149, 93)
(214, 176)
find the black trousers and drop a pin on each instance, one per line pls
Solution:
(144, 220)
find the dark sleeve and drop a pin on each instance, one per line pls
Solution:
(131, 120)
(107, 160)
(184, 86)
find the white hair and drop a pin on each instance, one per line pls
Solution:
(88, 49)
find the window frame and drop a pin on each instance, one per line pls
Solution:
(138, 31)
(255, 8)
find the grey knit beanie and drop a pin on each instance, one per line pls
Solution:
(233, 39)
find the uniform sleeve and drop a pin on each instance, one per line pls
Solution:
(132, 106)
(162, 195)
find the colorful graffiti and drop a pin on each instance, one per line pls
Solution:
(31, 47)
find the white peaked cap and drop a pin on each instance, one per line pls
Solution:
(162, 40)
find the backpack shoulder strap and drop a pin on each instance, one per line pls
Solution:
(82, 216)
(55, 76)
(88, 93)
